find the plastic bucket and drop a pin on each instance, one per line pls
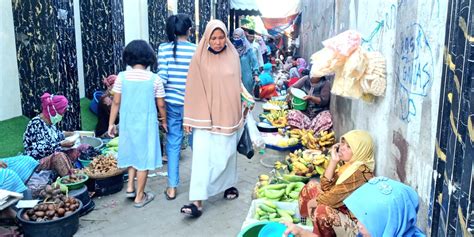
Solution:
(62, 227)
(252, 230)
(297, 101)
(94, 106)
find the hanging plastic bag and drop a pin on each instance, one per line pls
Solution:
(255, 136)
(245, 146)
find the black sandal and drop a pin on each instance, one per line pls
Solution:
(231, 191)
(168, 197)
(195, 212)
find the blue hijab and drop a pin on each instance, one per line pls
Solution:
(266, 76)
(385, 207)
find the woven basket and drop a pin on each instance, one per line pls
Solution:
(105, 175)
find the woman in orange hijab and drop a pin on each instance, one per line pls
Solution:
(213, 111)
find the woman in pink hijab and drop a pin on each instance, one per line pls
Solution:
(45, 142)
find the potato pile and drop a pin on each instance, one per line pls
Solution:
(73, 178)
(101, 165)
(47, 211)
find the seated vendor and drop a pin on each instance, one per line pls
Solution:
(382, 207)
(316, 116)
(323, 201)
(15, 172)
(105, 104)
(267, 85)
(44, 141)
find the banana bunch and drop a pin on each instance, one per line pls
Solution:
(277, 118)
(269, 211)
(280, 192)
(307, 138)
(301, 165)
(281, 104)
(326, 139)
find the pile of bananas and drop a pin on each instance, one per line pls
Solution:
(277, 118)
(312, 141)
(281, 104)
(269, 211)
(326, 139)
(304, 163)
(280, 191)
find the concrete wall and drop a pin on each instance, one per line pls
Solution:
(135, 13)
(9, 80)
(410, 34)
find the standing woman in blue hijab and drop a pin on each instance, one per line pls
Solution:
(248, 59)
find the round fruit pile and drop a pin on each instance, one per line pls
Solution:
(47, 211)
(73, 178)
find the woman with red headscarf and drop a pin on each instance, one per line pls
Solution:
(44, 141)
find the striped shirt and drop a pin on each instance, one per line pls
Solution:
(139, 75)
(173, 71)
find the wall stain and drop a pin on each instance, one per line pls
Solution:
(402, 145)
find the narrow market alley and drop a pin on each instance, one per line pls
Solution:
(246, 118)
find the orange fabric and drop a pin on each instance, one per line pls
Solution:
(213, 86)
(268, 91)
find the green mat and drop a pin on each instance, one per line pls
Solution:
(11, 140)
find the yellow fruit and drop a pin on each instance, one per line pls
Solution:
(264, 177)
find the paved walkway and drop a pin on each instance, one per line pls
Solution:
(116, 216)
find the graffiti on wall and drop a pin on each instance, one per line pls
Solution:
(388, 22)
(414, 74)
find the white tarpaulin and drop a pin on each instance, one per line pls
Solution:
(243, 5)
(277, 8)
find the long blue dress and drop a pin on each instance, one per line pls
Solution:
(249, 68)
(139, 143)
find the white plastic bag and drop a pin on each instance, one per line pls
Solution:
(255, 136)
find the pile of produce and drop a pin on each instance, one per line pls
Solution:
(281, 104)
(112, 145)
(102, 166)
(73, 178)
(268, 211)
(308, 139)
(287, 190)
(277, 118)
(54, 206)
(305, 163)
(60, 207)
(89, 153)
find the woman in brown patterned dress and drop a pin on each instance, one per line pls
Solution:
(322, 202)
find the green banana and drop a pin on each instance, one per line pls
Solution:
(256, 216)
(295, 178)
(267, 208)
(270, 204)
(296, 220)
(290, 188)
(274, 186)
(294, 194)
(274, 194)
(272, 215)
(260, 212)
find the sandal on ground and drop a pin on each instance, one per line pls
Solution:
(168, 197)
(132, 194)
(147, 198)
(231, 193)
(195, 211)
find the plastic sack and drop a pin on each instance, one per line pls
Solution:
(245, 146)
(255, 136)
(344, 43)
(38, 181)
